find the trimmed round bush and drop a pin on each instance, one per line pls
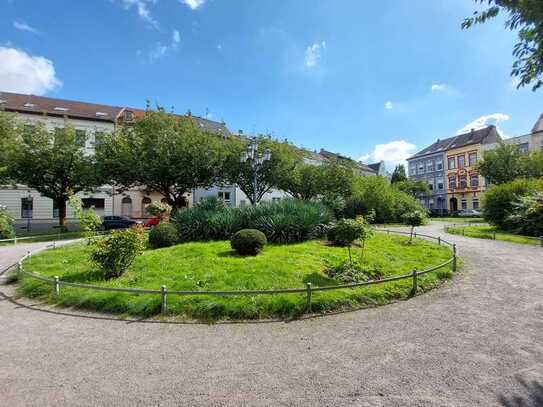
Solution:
(163, 235)
(248, 242)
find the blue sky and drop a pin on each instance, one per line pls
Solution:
(377, 80)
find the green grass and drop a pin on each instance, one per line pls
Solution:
(213, 266)
(44, 237)
(458, 220)
(488, 232)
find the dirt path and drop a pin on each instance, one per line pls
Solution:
(477, 341)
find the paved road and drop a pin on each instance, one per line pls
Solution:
(476, 341)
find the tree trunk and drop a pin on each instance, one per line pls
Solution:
(61, 205)
(350, 258)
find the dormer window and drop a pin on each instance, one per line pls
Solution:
(128, 115)
(101, 114)
(61, 109)
(29, 105)
(2, 101)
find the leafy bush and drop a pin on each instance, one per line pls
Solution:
(287, 221)
(498, 201)
(248, 241)
(89, 221)
(160, 210)
(527, 215)
(385, 200)
(347, 272)
(6, 224)
(349, 230)
(211, 203)
(163, 235)
(114, 253)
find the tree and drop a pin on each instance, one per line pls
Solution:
(399, 174)
(412, 187)
(526, 16)
(8, 131)
(413, 219)
(53, 164)
(272, 173)
(305, 182)
(349, 230)
(162, 153)
(501, 165)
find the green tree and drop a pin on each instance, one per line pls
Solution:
(8, 131)
(349, 230)
(272, 174)
(53, 164)
(412, 187)
(413, 219)
(526, 16)
(532, 164)
(399, 174)
(502, 164)
(305, 182)
(163, 153)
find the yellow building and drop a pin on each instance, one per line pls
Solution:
(465, 186)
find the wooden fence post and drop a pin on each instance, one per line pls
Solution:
(454, 257)
(309, 294)
(494, 235)
(414, 289)
(57, 286)
(163, 299)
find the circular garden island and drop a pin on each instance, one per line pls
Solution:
(213, 265)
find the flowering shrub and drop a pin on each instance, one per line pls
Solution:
(159, 209)
(114, 253)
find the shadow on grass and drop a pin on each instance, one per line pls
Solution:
(532, 397)
(317, 279)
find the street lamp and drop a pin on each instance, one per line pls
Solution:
(256, 160)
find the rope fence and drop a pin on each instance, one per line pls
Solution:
(308, 290)
(485, 235)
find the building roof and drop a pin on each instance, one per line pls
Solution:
(538, 126)
(15, 102)
(376, 166)
(335, 156)
(484, 136)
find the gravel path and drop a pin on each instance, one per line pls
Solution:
(476, 341)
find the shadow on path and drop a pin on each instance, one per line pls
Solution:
(532, 397)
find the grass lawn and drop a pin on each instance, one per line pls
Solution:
(458, 220)
(213, 266)
(488, 232)
(44, 237)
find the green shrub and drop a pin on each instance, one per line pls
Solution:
(160, 210)
(163, 235)
(349, 230)
(114, 253)
(498, 201)
(248, 242)
(286, 221)
(414, 219)
(211, 203)
(6, 224)
(527, 215)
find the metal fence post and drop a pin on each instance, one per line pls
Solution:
(163, 303)
(439, 240)
(541, 240)
(415, 235)
(494, 235)
(454, 257)
(19, 270)
(414, 289)
(308, 289)
(57, 286)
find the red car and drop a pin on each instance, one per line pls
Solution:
(151, 222)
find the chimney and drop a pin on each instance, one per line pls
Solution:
(472, 131)
(189, 113)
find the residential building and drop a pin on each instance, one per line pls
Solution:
(365, 169)
(532, 141)
(449, 168)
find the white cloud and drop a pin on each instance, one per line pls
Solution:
(24, 73)
(313, 54)
(485, 121)
(193, 4)
(22, 26)
(439, 87)
(392, 153)
(142, 8)
(219, 47)
(388, 105)
(445, 89)
(160, 50)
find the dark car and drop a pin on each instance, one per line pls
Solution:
(118, 222)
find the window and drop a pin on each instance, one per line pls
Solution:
(439, 164)
(431, 184)
(464, 204)
(474, 181)
(523, 148)
(452, 182)
(451, 163)
(431, 203)
(412, 168)
(472, 159)
(430, 166)
(461, 161)
(128, 115)
(27, 207)
(80, 138)
(98, 138)
(225, 196)
(96, 203)
(440, 183)
(55, 209)
(144, 202)
(421, 167)
(463, 182)
(275, 200)
(475, 204)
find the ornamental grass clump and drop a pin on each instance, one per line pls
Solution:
(114, 253)
(248, 242)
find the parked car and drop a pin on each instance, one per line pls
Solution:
(152, 222)
(468, 212)
(119, 222)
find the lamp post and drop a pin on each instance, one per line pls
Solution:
(255, 160)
